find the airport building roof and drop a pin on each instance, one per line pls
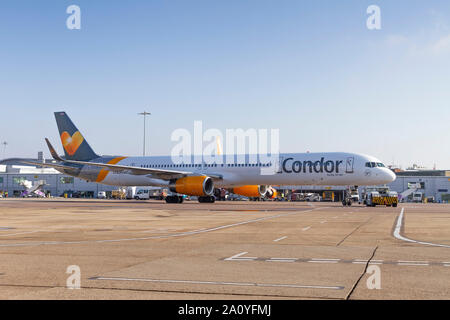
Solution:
(423, 173)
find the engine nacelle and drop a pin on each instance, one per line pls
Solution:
(251, 191)
(193, 186)
(271, 193)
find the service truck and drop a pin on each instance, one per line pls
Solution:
(417, 197)
(145, 193)
(380, 196)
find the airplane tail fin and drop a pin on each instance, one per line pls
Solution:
(74, 144)
(52, 151)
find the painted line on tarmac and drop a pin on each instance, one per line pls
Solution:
(317, 260)
(279, 239)
(282, 259)
(181, 234)
(15, 234)
(397, 233)
(221, 283)
(412, 264)
(239, 257)
(358, 261)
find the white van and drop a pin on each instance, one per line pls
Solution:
(142, 194)
(145, 193)
(101, 195)
(417, 197)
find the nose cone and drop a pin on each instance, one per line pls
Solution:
(390, 176)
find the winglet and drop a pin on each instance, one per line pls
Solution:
(52, 151)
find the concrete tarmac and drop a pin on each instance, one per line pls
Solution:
(226, 250)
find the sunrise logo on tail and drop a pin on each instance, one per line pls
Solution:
(74, 143)
(71, 143)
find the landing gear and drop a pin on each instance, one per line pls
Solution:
(206, 199)
(350, 194)
(347, 202)
(174, 199)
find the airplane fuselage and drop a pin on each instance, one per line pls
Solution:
(333, 168)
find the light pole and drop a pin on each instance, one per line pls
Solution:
(145, 113)
(4, 143)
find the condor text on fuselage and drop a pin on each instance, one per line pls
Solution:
(330, 166)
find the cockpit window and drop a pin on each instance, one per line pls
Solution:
(370, 164)
(374, 164)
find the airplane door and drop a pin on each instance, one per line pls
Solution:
(349, 165)
(279, 166)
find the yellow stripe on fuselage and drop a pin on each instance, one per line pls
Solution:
(104, 172)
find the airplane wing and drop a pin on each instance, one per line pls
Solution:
(156, 173)
(57, 166)
(50, 165)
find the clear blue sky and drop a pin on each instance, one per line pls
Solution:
(310, 68)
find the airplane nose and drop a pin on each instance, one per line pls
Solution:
(391, 175)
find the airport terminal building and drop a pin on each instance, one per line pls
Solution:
(433, 183)
(56, 183)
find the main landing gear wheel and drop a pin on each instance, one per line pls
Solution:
(174, 199)
(347, 202)
(206, 199)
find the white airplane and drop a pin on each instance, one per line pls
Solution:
(200, 179)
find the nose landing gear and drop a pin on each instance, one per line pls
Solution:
(350, 195)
